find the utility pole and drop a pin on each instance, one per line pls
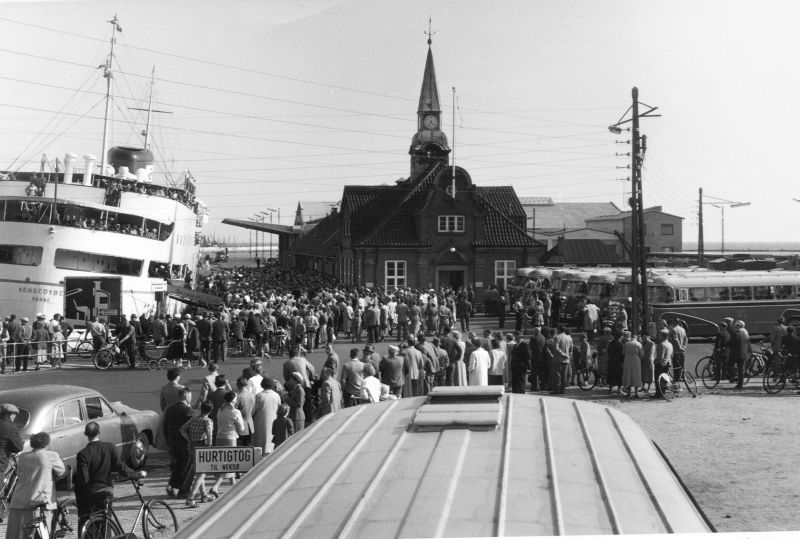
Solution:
(700, 246)
(639, 312)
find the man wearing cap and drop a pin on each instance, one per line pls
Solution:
(159, 330)
(93, 480)
(22, 338)
(297, 400)
(10, 440)
(372, 357)
(127, 340)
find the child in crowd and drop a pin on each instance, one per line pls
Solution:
(282, 427)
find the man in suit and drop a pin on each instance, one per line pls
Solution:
(217, 398)
(220, 332)
(203, 326)
(245, 401)
(174, 417)
(93, 481)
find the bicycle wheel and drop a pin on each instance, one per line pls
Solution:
(65, 521)
(689, 382)
(99, 526)
(664, 387)
(152, 364)
(711, 376)
(84, 349)
(103, 359)
(774, 379)
(587, 379)
(158, 520)
(700, 365)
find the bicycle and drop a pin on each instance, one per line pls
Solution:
(718, 368)
(157, 518)
(9, 484)
(588, 376)
(778, 373)
(111, 354)
(83, 347)
(667, 387)
(63, 523)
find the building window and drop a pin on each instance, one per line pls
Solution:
(395, 274)
(451, 223)
(504, 272)
(667, 229)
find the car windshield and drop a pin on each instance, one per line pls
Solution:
(21, 421)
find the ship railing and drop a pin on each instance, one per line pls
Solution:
(37, 186)
(33, 210)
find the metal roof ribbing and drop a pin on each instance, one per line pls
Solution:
(554, 467)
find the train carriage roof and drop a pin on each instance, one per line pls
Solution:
(460, 462)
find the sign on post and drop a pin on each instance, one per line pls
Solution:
(225, 459)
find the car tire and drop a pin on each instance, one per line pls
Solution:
(138, 455)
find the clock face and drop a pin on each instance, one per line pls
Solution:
(430, 122)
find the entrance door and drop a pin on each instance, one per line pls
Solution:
(450, 278)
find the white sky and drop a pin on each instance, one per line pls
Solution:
(292, 100)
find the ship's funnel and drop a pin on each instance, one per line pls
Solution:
(133, 158)
(88, 171)
(69, 167)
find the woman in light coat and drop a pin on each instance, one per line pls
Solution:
(36, 469)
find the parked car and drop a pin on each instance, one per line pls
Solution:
(63, 411)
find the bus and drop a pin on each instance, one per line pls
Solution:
(460, 462)
(527, 280)
(623, 289)
(575, 287)
(703, 299)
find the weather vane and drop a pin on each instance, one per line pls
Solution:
(429, 33)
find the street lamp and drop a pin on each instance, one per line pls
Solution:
(271, 212)
(717, 203)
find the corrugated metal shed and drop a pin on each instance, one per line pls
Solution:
(492, 465)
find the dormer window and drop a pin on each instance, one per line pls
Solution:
(451, 223)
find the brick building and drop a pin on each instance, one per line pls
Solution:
(435, 228)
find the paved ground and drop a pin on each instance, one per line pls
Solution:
(734, 450)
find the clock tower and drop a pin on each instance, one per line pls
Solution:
(429, 143)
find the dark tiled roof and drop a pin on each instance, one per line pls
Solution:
(504, 218)
(386, 216)
(581, 252)
(323, 240)
(395, 224)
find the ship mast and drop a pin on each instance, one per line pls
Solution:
(149, 109)
(107, 73)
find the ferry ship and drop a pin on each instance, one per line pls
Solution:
(96, 239)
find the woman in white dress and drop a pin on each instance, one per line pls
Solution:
(479, 363)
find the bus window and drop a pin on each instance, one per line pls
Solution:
(697, 294)
(762, 292)
(717, 293)
(683, 294)
(660, 294)
(785, 292)
(741, 293)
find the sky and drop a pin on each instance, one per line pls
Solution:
(273, 102)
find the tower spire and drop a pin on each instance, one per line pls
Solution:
(429, 95)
